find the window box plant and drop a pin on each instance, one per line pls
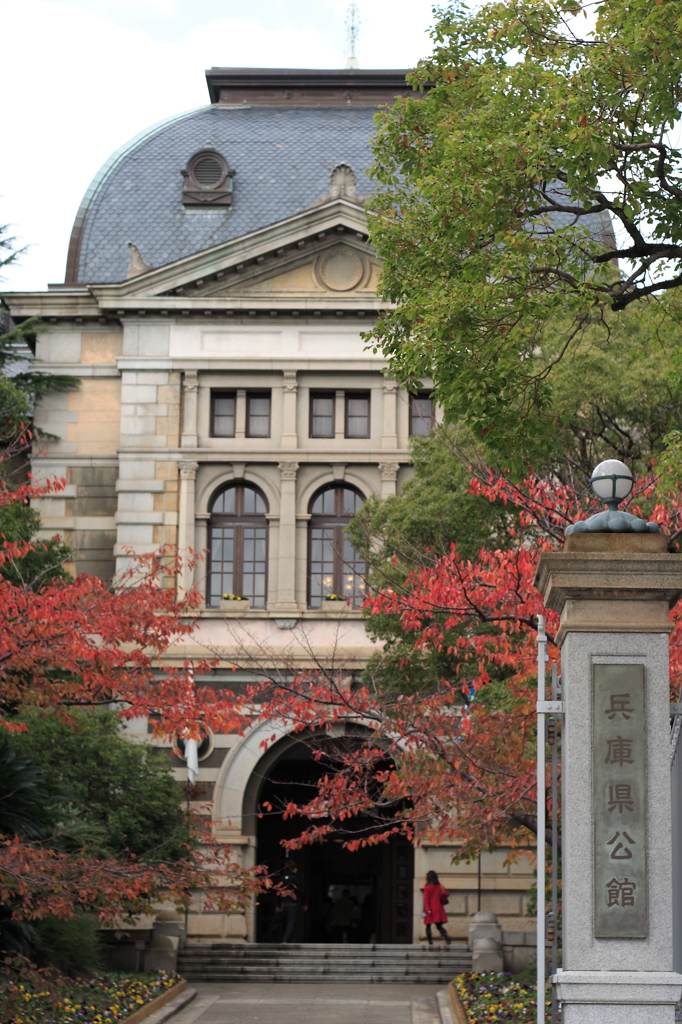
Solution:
(335, 604)
(233, 604)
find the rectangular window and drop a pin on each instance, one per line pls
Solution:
(322, 414)
(357, 414)
(238, 563)
(258, 415)
(223, 405)
(422, 418)
(321, 564)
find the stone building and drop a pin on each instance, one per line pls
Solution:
(219, 278)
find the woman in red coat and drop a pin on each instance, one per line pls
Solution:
(435, 898)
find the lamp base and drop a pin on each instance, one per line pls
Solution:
(612, 522)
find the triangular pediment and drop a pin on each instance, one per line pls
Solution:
(321, 252)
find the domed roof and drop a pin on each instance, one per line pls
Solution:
(282, 132)
(283, 158)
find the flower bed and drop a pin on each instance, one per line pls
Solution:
(101, 1000)
(490, 998)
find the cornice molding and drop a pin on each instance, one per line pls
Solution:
(165, 291)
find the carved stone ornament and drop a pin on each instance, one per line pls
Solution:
(389, 471)
(136, 262)
(288, 470)
(341, 269)
(343, 182)
(188, 470)
(191, 380)
(290, 380)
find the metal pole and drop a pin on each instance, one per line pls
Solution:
(479, 883)
(556, 686)
(541, 810)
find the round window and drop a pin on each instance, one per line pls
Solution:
(207, 171)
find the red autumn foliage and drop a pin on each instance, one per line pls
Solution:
(444, 766)
(78, 643)
(450, 766)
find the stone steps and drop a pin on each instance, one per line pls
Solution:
(323, 963)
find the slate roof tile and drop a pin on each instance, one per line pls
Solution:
(283, 160)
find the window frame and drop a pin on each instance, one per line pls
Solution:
(208, 154)
(347, 397)
(238, 520)
(338, 523)
(250, 395)
(219, 393)
(216, 193)
(421, 395)
(322, 394)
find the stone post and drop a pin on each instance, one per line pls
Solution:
(186, 499)
(613, 592)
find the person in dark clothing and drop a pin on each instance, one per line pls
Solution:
(344, 917)
(292, 899)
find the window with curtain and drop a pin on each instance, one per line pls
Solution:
(334, 567)
(238, 542)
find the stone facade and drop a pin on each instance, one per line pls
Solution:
(278, 310)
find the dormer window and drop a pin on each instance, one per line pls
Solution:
(208, 180)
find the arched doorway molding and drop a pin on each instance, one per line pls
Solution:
(247, 764)
(237, 770)
(379, 878)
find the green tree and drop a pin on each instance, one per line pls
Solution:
(28, 808)
(124, 792)
(614, 395)
(613, 398)
(416, 528)
(44, 562)
(21, 383)
(542, 127)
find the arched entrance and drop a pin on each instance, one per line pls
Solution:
(376, 880)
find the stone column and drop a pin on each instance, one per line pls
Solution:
(340, 415)
(240, 415)
(286, 561)
(289, 411)
(186, 499)
(190, 388)
(613, 592)
(389, 433)
(389, 476)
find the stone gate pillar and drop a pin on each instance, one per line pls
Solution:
(613, 591)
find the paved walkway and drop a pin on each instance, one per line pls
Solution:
(310, 1004)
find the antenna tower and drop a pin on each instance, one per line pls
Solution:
(352, 29)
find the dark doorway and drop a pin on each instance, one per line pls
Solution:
(361, 896)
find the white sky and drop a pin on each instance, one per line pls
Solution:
(79, 79)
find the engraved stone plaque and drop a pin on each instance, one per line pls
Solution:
(619, 777)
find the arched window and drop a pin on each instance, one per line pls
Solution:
(238, 541)
(334, 567)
